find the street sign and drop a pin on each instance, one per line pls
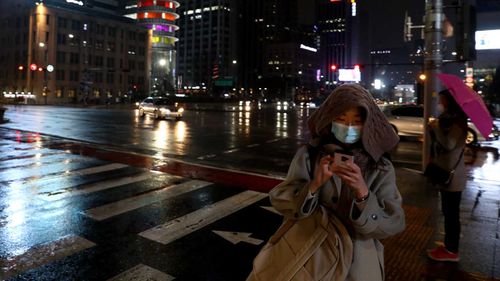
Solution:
(224, 82)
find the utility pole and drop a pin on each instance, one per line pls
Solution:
(433, 60)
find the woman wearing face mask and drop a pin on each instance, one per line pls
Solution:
(363, 193)
(448, 133)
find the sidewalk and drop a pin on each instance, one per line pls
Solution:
(405, 254)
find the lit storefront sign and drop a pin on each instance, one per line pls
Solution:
(307, 48)
(349, 75)
(353, 8)
(488, 39)
(75, 2)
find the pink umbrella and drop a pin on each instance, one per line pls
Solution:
(470, 102)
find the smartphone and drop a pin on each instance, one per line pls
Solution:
(343, 157)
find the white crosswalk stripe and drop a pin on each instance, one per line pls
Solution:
(142, 273)
(98, 169)
(54, 195)
(132, 203)
(179, 227)
(43, 254)
(94, 187)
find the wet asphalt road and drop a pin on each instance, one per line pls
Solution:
(66, 215)
(262, 141)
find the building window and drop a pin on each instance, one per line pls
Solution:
(59, 93)
(110, 62)
(111, 47)
(74, 58)
(60, 75)
(71, 93)
(61, 39)
(74, 76)
(62, 22)
(47, 19)
(99, 44)
(99, 61)
(112, 31)
(61, 57)
(98, 77)
(75, 24)
(110, 78)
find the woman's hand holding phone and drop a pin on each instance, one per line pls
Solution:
(322, 172)
(351, 174)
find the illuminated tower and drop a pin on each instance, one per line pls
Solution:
(159, 17)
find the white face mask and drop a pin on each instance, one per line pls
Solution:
(346, 134)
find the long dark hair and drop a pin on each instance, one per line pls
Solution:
(453, 113)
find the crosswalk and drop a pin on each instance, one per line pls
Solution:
(58, 209)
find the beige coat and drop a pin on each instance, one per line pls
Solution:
(452, 145)
(381, 215)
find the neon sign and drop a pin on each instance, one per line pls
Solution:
(75, 2)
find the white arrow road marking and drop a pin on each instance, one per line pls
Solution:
(271, 209)
(43, 254)
(237, 237)
(179, 227)
(142, 272)
(132, 203)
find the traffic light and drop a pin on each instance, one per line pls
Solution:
(466, 33)
(33, 66)
(333, 67)
(356, 66)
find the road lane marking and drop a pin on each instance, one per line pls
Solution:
(182, 226)
(43, 254)
(98, 186)
(142, 272)
(136, 202)
(253, 145)
(207, 156)
(237, 237)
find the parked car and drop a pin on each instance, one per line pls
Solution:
(408, 120)
(161, 107)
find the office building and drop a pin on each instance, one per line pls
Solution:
(206, 49)
(70, 51)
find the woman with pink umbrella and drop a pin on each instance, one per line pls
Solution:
(448, 133)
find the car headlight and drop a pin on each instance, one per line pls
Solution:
(180, 110)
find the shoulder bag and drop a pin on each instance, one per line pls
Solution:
(439, 175)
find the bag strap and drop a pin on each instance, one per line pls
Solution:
(434, 153)
(281, 231)
(459, 158)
